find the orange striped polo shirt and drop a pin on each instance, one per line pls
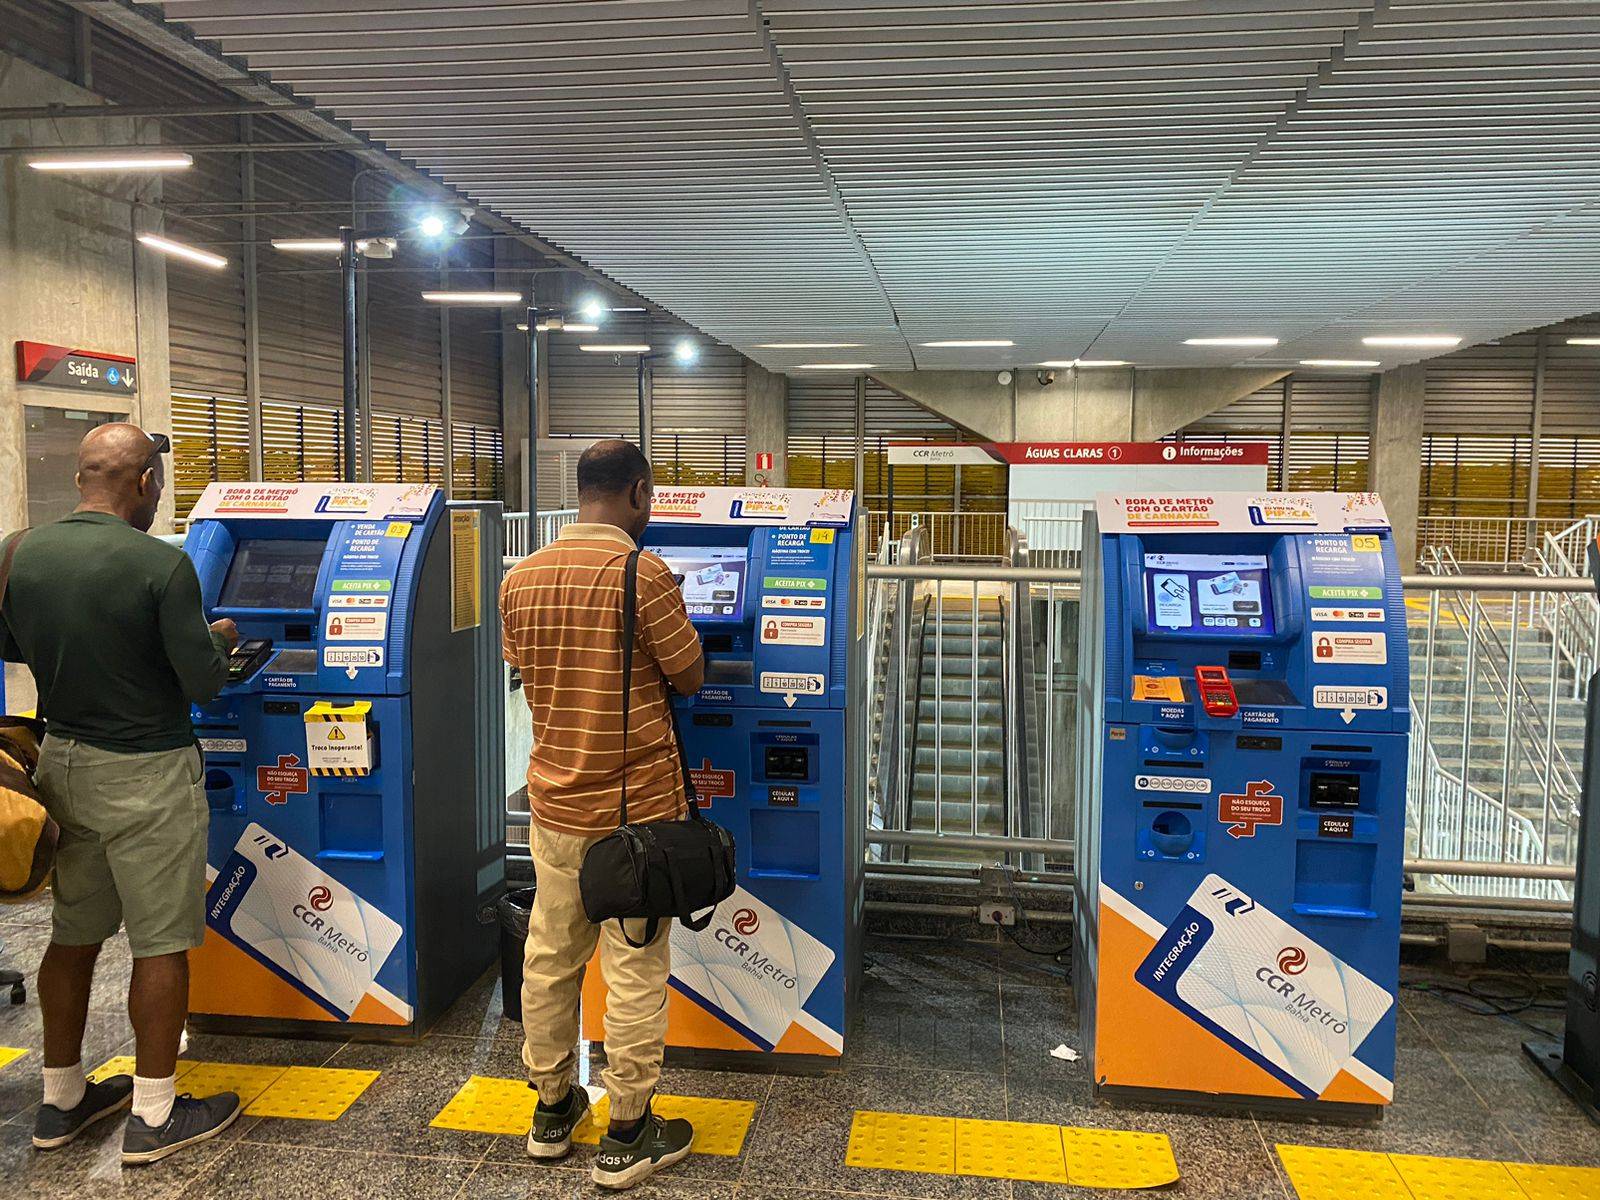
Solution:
(561, 613)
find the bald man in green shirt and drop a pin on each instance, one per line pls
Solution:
(109, 620)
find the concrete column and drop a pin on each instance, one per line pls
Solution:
(74, 275)
(1098, 405)
(766, 424)
(1395, 462)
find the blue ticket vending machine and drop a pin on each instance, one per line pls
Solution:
(769, 579)
(1243, 725)
(352, 761)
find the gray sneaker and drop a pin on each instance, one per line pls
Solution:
(191, 1122)
(660, 1143)
(551, 1135)
(54, 1128)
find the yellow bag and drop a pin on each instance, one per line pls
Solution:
(27, 834)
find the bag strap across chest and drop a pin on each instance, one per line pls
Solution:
(630, 605)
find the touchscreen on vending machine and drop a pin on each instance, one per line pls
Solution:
(1208, 595)
(711, 577)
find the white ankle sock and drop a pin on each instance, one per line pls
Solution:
(64, 1086)
(152, 1099)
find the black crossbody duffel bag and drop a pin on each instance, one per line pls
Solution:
(662, 869)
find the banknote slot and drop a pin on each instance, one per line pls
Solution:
(787, 763)
(1244, 660)
(1335, 790)
(785, 843)
(714, 720)
(1190, 805)
(1334, 879)
(1167, 764)
(352, 825)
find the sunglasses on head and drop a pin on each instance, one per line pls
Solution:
(160, 444)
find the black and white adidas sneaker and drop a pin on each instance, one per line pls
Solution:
(660, 1143)
(551, 1135)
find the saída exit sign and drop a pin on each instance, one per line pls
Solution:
(81, 370)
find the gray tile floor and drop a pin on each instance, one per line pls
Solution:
(945, 1029)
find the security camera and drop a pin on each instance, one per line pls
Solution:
(1046, 378)
(463, 221)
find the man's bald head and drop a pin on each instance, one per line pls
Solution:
(614, 486)
(119, 471)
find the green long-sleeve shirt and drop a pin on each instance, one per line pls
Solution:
(109, 621)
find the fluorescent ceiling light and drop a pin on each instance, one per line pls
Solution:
(322, 245)
(971, 344)
(473, 297)
(835, 366)
(616, 348)
(1412, 339)
(1339, 362)
(807, 345)
(167, 246)
(626, 308)
(1231, 341)
(1068, 363)
(166, 161)
(569, 327)
(1583, 341)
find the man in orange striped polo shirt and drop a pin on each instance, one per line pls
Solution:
(562, 614)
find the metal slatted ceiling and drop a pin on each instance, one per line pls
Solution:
(1081, 177)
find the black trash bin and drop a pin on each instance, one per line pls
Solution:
(514, 909)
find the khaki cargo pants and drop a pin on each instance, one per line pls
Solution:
(133, 845)
(561, 941)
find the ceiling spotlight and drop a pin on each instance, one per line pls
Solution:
(1339, 362)
(443, 222)
(473, 297)
(167, 161)
(1231, 341)
(971, 344)
(167, 246)
(686, 351)
(615, 347)
(593, 310)
(1413, 340)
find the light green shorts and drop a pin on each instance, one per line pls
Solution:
(133, 845)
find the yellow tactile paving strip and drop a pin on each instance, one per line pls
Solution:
(123, 1064)
(1117, 1158)
(505, 1106)
(311, 1094)
(1556, 1183)
(9, 1055)
(265, 1090)
(1321, 1174)
(1329, 1174)
(1096, 1158)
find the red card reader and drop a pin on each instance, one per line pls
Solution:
(1216, 691)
